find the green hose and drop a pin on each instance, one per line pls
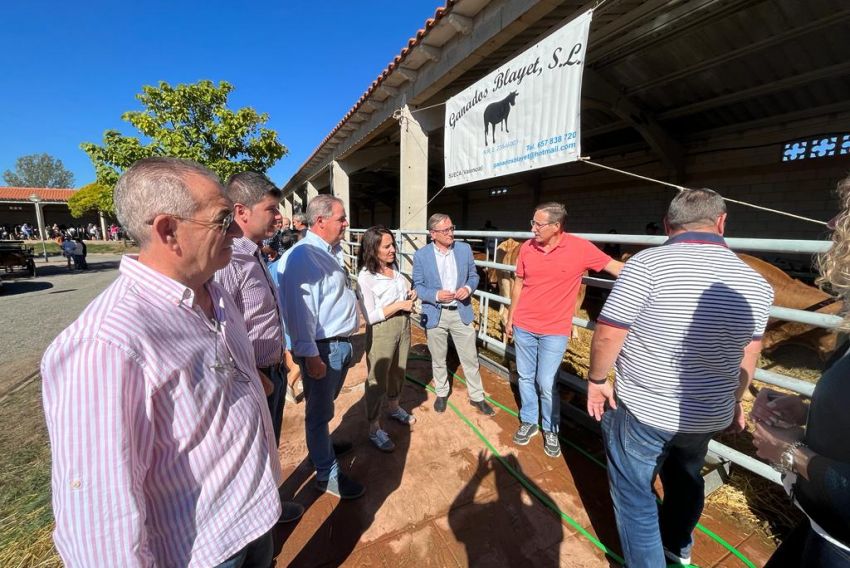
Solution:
(542, 498)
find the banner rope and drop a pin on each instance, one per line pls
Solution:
(587, 160)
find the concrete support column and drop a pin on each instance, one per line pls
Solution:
(286, 206)
(311, 192)
(102, 226)
(340, 189)
(413, 184)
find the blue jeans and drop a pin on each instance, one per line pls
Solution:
(538, 358)
(256, 554)
(636, 452)
(320, 395)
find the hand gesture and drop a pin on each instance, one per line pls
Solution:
(771, 441)
(773, 408)
(445, 296)
(268, 385)
(739, 422)
(316, 368)
(405, 305)
(597, 396)
(412, 295)
(462, 293)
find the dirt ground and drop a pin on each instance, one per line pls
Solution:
(447, 496)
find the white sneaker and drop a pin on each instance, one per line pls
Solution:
(675, 559)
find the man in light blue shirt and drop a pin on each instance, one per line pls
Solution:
(320, 310)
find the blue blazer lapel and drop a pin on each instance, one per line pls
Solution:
(432, 259)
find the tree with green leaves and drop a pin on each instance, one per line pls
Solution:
(39, 170)
(91, 197)
(187, 121)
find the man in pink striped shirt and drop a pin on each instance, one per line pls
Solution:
(256, 203)
(160, 435)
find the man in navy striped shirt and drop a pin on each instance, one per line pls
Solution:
(684, 324)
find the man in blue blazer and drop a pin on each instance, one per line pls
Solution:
(444, 277)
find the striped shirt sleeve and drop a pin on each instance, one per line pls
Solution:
(101, 440)
(630, 295)
(762, 316)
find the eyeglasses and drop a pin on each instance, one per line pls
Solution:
(222, 225)
(445, 231)
(540, 225)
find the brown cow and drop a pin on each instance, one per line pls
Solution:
(789, 292)
(507, 253)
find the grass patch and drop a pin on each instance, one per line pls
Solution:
(92, 247)
(26, 518)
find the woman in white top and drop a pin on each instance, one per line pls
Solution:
(386, 301)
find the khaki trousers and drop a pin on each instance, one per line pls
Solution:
(464, 339)
(387, 346)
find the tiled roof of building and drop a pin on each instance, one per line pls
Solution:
(411, 43)
(46, 194)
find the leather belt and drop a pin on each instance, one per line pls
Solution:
(448, 307)
(336, 339)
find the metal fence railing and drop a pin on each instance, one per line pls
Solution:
(406, 246)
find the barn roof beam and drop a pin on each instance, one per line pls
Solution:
(612, 100)
(725, 58)
(615, 43)
(838, 70)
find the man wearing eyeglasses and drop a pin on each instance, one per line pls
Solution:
(162, 444)
(444, 277)
(247, 279)
(549, 270)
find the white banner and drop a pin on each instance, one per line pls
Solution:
(524, 115)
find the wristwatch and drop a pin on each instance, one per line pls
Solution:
(786, 460)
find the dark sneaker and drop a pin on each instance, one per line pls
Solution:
(440, 404)
(291, 511)
(482, 407)
(382, 441)
(341, 486)
(525, 433)
(551, 445)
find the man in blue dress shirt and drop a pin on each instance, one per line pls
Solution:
(320, 310)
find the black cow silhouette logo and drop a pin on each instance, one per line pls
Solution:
(497, 113)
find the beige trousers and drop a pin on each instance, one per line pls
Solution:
(387, 346)
(464, 339)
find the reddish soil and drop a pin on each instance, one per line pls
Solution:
(443, 499)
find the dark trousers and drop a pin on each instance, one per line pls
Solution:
(277, 399)
(256, 554)
(806, 548)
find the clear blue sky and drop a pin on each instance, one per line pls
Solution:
(68, 70)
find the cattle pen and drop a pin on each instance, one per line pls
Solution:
(719, 454)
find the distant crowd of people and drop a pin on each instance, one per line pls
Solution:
(164, 400)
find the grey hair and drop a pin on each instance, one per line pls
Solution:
(249, 188)
(693, 208)
(556, 212)
(156, 186)
(436, 219)
(300, 217)
(321, 206)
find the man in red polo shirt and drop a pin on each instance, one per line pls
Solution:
(549, 269)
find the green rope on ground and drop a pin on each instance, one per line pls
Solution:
(717, 538)
(524, 480)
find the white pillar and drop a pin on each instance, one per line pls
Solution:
(39, 216)
(340, 189)
(286, 207)
(311, 192)
(102, 225)
(413, 183)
